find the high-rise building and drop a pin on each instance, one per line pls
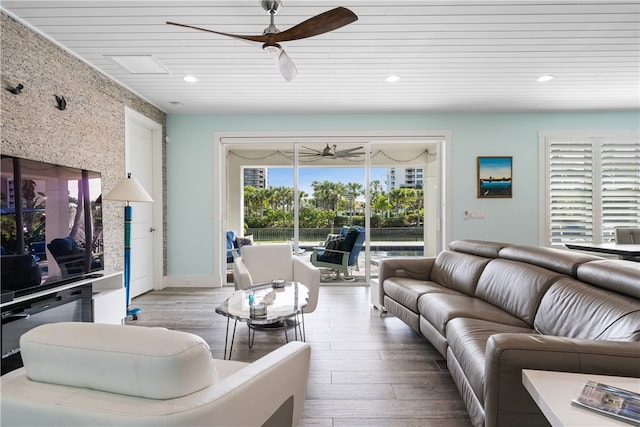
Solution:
(255, 177)
(405, 178)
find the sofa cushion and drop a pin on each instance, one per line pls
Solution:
(468, 341)
(440, 309)
(478, 247)
(574, 309)
(458, 271)
(560, 260)
(615, 275)
(133, 360)
(515, 287)
(407, 291)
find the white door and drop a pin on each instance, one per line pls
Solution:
(142, 140)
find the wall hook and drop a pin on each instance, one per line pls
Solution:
(16, 90)
(62, 103)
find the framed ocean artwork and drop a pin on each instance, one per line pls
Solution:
(495, 177)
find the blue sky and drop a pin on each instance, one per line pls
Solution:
(496, 167)
(283, 177)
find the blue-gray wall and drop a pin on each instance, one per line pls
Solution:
(190, 184)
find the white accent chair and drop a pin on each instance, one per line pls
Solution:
(88, 374)
(264, 263)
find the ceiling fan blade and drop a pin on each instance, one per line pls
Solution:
(349, 150)
(319, 24)
(311, 149)
(260, 38)
(286, 66)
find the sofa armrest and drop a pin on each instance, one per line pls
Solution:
(418, 268)
(337, 253)
(273, 390)
(507, 402)
(309, 275)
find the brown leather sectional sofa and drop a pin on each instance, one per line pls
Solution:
(493, 309)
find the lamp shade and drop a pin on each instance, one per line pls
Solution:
(128, 190)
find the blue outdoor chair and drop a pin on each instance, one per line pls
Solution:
(231, 246)
(341, 251)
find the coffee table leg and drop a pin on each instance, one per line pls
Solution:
(226, 338)
(252, 335)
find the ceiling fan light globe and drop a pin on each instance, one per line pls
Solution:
(273, 48)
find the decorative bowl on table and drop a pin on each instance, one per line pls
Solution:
(258, 311)
(278, 283)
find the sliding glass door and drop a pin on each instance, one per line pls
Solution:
(302, 189)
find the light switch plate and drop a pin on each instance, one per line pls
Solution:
(473, 215)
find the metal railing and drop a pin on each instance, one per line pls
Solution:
(388, 234)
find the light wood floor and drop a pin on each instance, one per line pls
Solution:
(366, 370)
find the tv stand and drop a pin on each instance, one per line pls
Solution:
(108, 304)
(98, 299)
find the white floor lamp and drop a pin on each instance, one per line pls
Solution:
(128, 190)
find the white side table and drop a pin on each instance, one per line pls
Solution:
(553, 392)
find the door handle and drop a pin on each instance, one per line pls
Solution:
(151, 229)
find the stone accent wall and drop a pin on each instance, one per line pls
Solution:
(89, 134)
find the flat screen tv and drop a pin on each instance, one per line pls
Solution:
(51, 225)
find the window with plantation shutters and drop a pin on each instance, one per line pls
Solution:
(592, 186)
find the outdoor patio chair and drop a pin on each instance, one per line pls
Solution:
(340, 252)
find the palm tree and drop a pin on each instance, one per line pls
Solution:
(380, 204)
(352, 191)
(283, 197)
(418, 203)
(375, 189)
(327, 194)
(401, 199)
(270, 198)
(251, 199)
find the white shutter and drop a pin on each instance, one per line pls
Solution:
(570, 168)
(620, 186)
(594, 187)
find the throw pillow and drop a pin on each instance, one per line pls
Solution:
(334, 241)
(244, 241)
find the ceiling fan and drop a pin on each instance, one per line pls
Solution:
(272, 37)
(331, 152)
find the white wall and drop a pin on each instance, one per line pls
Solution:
(191, 188)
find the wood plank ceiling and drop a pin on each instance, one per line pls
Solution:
(467, 55)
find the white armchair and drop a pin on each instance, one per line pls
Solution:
(264, 263)
(88, 374)
(629, 236)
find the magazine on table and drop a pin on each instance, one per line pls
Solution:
(609, 400)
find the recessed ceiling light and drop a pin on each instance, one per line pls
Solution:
(139, 64)
(545, 78)
(392, 79)
(190, 79)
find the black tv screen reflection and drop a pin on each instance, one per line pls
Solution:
(51, 227)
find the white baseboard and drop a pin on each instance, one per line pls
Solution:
(191, 282)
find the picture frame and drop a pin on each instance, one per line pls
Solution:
(495, 177)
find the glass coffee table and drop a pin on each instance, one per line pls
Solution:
(266, 305)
